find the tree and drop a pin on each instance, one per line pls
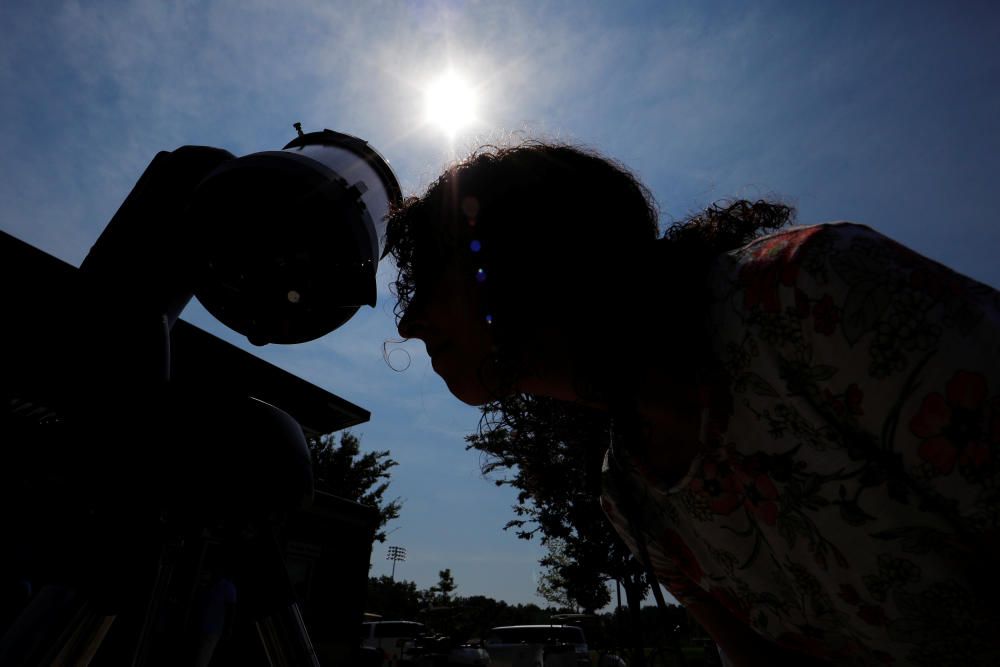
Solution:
(552, 453)
(440, 594)
(552, 585)
(462, 618)
(341, 469)
(393, 599)
(474, 616)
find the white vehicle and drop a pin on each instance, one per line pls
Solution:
(437, 650)
(537, 646)
(469, 654)
(393, 638)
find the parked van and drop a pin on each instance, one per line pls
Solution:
(537, 646)
(393, 638)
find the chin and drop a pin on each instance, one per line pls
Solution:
(470, 389)
(465, 386)
(474, 396)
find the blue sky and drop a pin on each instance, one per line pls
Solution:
(883, 113)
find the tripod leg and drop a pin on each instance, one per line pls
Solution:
(88, 633)
(169, 554)
(276, 613)
(58, 627)
(286, 639)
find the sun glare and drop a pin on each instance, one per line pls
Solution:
(450, 103)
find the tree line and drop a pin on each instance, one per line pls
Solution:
(471, 617)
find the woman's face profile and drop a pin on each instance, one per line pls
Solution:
(446, 315)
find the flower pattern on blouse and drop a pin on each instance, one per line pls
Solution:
(846, 502)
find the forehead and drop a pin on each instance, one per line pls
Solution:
(446, 230)
(438, 230)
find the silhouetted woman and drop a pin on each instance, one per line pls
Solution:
(806, 419)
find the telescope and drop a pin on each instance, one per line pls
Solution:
(280, 246)
(157, 446)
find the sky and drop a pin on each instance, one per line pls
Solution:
(881, 113)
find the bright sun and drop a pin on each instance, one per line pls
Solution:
(450, 103)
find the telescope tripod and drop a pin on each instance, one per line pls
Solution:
(116, 466)
(175, 562)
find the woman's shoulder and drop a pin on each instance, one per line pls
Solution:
(757, 273)
(786, 243)
(829, 257)
(842, 253)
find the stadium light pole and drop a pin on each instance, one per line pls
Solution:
(395, 554)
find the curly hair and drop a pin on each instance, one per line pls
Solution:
(564, 237)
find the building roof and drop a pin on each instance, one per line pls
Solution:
(33, 285)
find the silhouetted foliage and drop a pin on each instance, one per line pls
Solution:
(393, 600)
(551, 452)
(342, 469)
(472, 617)
(463, 618)
(441, 593)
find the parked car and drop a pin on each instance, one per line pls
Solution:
(537, 646)
(441, 651)
(470, 653)
(369, 656)
(395, 639)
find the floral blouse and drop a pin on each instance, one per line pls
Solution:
(846, 502)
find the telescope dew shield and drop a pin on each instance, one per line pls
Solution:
(289, 241)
